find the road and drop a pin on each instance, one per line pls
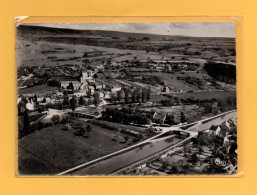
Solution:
(128, 156)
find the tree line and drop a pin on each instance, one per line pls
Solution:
(128, 95)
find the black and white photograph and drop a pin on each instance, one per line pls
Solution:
(126, 99)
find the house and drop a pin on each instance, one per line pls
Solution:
(232, 124)
(91, 89)
(49, 100)
(159, 117)
(86, 77)
(107, 94)
(138, 77)
(166, 89)
(98, 67)
(40, 99)
(78, 94)
(215, 130)
(226, 141)
(99, 86)
(101, 95)
(58, 94)
(115, 89)
(227, 124)
(30, 106)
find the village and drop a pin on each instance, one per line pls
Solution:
(211, 151)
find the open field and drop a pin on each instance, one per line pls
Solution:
(52, 150)
(67, 44)
(36, 89)
(158, 98)
(202, 95)
(119, 126)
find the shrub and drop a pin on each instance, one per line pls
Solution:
(41, 125)
(65, 128)
(55, 119)
(48, 124)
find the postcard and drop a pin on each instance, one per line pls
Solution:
(126, 99)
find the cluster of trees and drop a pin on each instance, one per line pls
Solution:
(35, 82)
(214, 107)
(211, 105)
(104, 125)
(95, 100)
(126, 116)
(179, 66)
(222, 72)
(152, 80)
(27, 127)
(172, 101)
(82, 129)
(53, 83)
(73, 102)
(192, 80)
(132, 96)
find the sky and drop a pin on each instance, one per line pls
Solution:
(196, 29)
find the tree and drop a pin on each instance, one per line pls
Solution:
(70, 86)
(179, 101)
(126, 138)
(89, 128)
(134, 96)
(73, 103)
(127, 96)
(170, 119)
(95, 76)
(183, 118)
(90, 101)
(138, 95)
(81, 101)
(96, 99)
(143, 96)
(112, 97)
(22, 106)
(89, 92)
(65, 100)
(26, 122)
(148, 94)
(120, 95)
(44, 100)
(35, 98)
(55, 119)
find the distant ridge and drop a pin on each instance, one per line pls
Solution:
(28, 30)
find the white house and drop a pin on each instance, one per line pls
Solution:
(214, 130)
(78, 94)
(115, 89)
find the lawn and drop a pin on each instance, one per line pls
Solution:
(222, 95)
(52, 150)
(36, 89)
(171, 81)
(158, 98)
(127, 127)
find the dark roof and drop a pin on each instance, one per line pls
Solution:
(214, 127)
